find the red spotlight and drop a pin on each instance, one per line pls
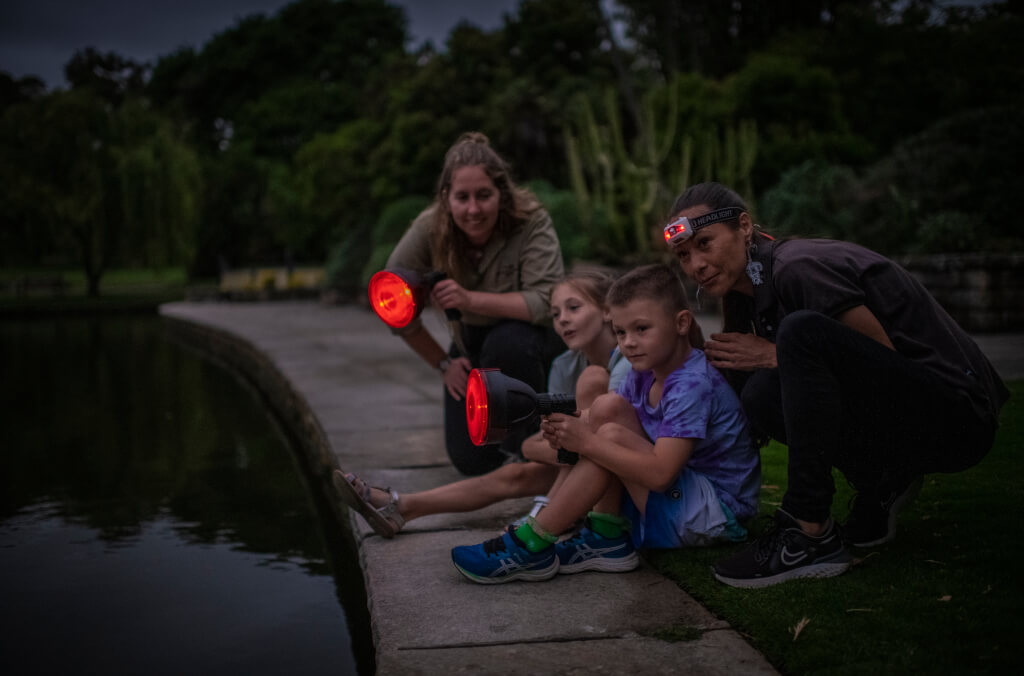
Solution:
(495, 403)
(398, 295)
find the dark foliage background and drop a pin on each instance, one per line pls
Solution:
(312, 135)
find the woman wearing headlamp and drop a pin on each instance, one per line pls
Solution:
(843, 356)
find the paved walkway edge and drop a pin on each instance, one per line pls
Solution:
(425, 618)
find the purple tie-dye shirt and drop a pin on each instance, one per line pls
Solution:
(697, 403)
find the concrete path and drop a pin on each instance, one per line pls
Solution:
(379, 408)
(369, 405)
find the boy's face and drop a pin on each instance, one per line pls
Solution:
(650, 336)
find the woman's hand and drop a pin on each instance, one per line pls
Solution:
(456, 376)
(740, 351)
(448, 294)
(565, 431)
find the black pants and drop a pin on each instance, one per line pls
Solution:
(522, 351)
(840, 399)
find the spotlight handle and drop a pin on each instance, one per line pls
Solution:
(559, 403)
(433, 277)
(556, 403)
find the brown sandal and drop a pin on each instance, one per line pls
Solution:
(386, 521)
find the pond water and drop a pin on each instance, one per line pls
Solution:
(152, 519)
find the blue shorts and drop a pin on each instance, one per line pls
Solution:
(688, 514)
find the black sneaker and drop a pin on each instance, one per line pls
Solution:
(872, 519)
(783, 553)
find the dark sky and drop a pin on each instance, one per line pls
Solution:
(37, 37)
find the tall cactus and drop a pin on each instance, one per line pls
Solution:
(633, 180)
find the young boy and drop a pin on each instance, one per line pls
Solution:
(673, 436)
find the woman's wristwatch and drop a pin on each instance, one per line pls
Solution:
(443, 365)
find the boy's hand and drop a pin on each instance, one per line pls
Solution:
(566, 431)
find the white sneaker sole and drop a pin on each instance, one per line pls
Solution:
(602, 564)
(533, 575)
(815, 570)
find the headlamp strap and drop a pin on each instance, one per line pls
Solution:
(715, 216)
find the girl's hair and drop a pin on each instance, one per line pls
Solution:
(592, 282)
(712, 195)
(656, 282)
(449, 245)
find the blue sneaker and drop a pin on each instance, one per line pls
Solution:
(504, 559)
(589, 551)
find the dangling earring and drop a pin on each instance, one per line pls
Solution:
(697, 297)
(753, 267)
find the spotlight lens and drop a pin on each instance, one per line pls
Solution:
(391, 298)
(476, 408)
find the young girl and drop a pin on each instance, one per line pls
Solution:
(590, 367)
(673, 436)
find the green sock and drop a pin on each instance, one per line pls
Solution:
(533, 537)
(608, 525)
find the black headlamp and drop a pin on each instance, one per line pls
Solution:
(683, 228)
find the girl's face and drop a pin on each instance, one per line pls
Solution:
(473, 202)
(649, 336)
(716, 256)
(578, 320)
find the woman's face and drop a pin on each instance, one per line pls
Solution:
(716, 256)
(577, 319)
(473, 202)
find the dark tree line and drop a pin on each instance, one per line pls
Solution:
(310, 134)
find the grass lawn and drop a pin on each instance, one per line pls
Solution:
(120, 290)
(946, 596)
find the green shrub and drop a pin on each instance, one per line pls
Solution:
(808, 201)
(583, 236)
(958, 175)
(389, 228)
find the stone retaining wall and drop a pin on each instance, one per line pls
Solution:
(983, 292)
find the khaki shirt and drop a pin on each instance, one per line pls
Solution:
(527, 260)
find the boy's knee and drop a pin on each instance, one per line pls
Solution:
(610, 408)
(616, 432)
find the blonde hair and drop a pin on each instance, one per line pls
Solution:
(592, 282)
(449, 246)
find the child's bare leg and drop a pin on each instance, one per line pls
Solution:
(514, 480)
(591, 384)
(615, 419)
(583, 487)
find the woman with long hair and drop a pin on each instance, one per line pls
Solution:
(496, 245)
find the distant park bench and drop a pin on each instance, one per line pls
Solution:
(271, 282)
(27, 285)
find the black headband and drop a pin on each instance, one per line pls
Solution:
(715, 216)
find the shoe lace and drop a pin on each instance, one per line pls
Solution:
(769, 542)
(494, 546)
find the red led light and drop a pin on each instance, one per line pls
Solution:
(392, 299)
(476, 408)
(673, 229)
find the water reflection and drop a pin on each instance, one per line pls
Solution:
(150, 516)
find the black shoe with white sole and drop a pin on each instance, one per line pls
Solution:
(784, 552)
